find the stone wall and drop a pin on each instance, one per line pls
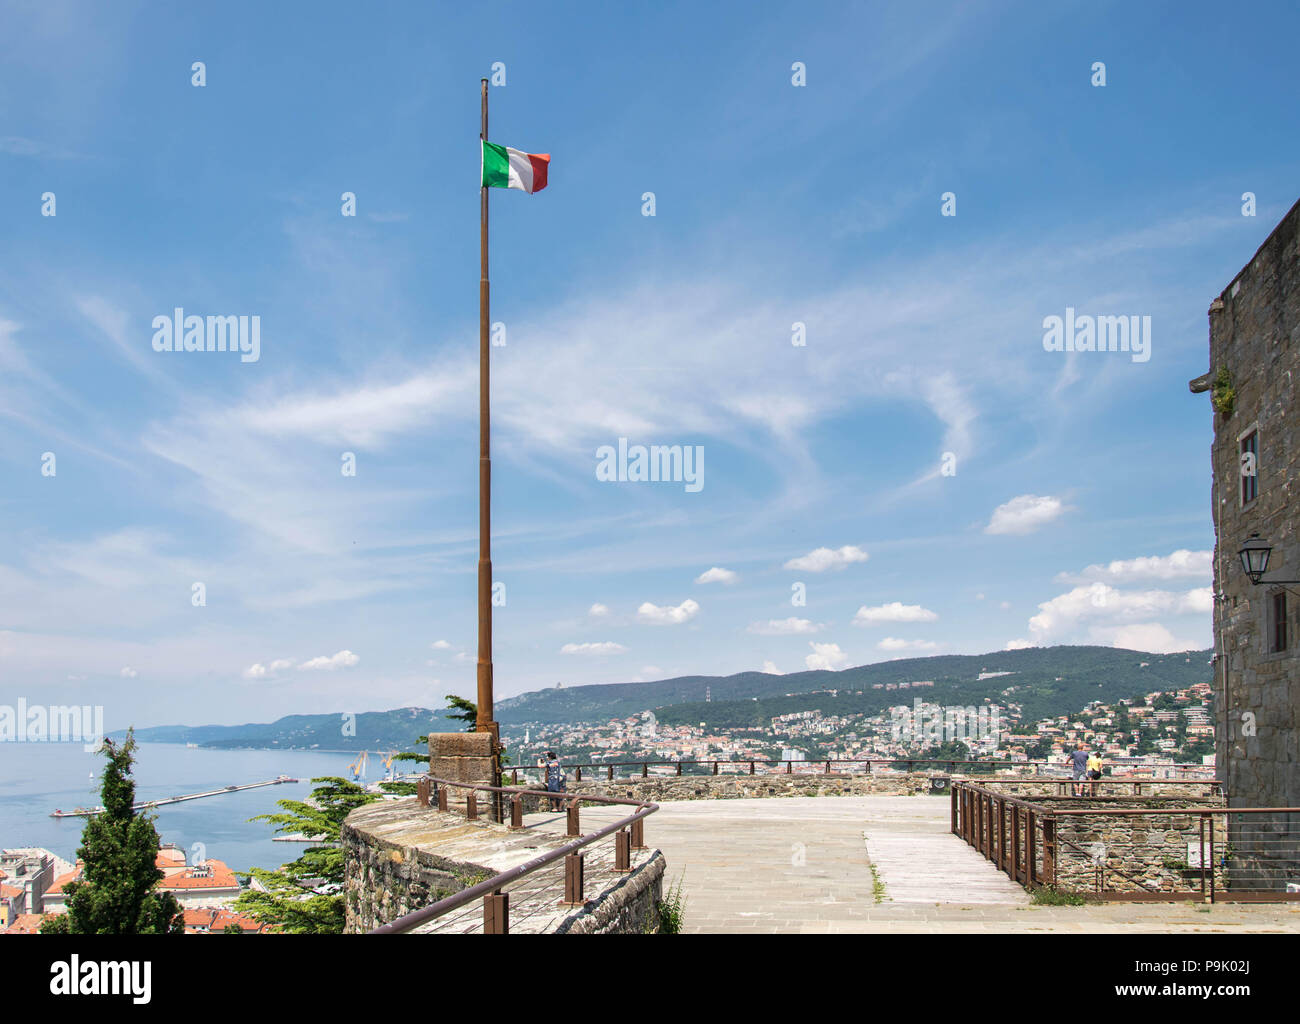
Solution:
(1137, 853)
(1254, 335)
(661, 788)
(400, 857)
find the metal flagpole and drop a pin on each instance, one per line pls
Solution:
(484, 722)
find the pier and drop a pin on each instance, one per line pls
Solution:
(144, 805)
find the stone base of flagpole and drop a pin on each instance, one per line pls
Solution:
(464, 757)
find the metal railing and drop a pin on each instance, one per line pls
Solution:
(613, 770)
(1153, 853)
(628, 832)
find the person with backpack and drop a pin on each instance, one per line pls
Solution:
(1094, 769)
(554, 779)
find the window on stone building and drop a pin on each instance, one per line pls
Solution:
(1279, 623)
(1250, 467)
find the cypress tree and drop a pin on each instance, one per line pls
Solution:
(119, 850)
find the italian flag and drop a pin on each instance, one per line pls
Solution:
(504, 167)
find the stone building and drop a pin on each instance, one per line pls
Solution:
(1252, 382)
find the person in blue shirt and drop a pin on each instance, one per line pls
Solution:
(1079, 768)
(554, 778)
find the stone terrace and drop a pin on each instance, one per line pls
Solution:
(805, 864)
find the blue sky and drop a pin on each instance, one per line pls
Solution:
(1079, 507)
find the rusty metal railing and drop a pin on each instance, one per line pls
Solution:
(1154, 853)
(788, 766)
(628, 832)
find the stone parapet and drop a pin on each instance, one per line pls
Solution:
(400, 857)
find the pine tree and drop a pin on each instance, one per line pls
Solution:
(306, 897)
(119, 851)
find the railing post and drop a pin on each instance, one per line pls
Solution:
(471, 805)
(1211, 852)
(1204, 894)
(610, 773)
(679, 768)
(622, 851)
(1049, 850)
(1031, 849)
(789, 767)
(514, 776)
(577, 773)
(496, 913)
(645, 770)
(442, 798)
(638, 834)
(952, 793)
(715, 767)
(828, 767)
(573, 871)
(751, 767)
(1014, 870)
(1002, 833)
(516, 812)
(575, 828)
(422, 791)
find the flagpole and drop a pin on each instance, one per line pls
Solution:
(484, 721)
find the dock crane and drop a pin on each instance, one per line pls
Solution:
(358, 767)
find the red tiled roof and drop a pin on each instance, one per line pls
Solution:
(25, 924)
(214, 920)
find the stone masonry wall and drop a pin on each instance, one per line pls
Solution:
(399, 857)
(658, 789)
(1255, 335)
(1147, 852)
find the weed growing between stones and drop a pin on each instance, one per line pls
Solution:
(670, 911)
(1051, 896)
(877, 885)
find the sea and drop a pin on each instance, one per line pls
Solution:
(36, 778)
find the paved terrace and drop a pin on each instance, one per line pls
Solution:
(805, 864)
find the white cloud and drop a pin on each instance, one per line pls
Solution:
(716, 575)
(822, 559)
(440, 645)
(260, 671)
(1146, 636)
(1005, 606)
(1101, 601)
(785, 627)
(598, 610)
(654, 615)
(895, 611)
(769, 667)
(600, 647)
(1024, 514)
(128, 673)
(893, 643)
(1179, 564)
(344, 659)
(1019, 644)
(825, 656)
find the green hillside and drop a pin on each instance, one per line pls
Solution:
(375, 730)
(1085, 674)
(1048, 681)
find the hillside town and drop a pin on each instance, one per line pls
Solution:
(1147, 735)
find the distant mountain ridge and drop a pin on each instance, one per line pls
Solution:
(374, 730)
(1086, 673)
(1048, 681)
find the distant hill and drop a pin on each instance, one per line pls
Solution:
(375, 730)
(1085, 674)
(1048, 681)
